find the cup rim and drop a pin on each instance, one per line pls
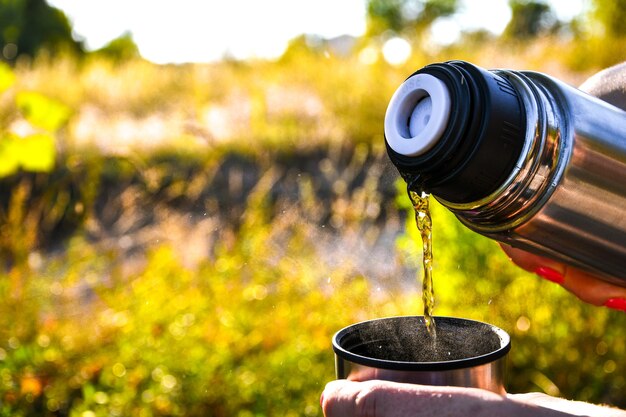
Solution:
(505, 346)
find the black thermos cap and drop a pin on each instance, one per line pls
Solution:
(482, 139)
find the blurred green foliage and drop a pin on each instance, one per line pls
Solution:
(40, 111)
(530, 19)
(6, 77)
(610, 15)
(34, 149)
(28, 27)
(205, 229)
(402, 16)
(120, 49)
(34, 152)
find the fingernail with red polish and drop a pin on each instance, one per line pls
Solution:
(550, 274)
(616, 304)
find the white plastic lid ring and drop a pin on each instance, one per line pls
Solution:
(417, 115)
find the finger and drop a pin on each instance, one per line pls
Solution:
(527, 260)
(585, 285)
(569, 407)
(608, 85)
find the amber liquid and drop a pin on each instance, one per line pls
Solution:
(424, 225)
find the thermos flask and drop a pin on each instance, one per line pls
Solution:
(517, 156)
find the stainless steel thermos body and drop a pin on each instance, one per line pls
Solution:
(523, 158)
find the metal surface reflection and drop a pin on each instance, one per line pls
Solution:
(485, 371)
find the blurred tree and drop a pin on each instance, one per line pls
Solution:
(402, 15)
(303, 45)
(120, 49)
(611, 15)
(478, 37)
(530, 18)
(27, 26)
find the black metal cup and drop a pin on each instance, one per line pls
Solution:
(464, 353)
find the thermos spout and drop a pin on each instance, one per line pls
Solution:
(417, 115)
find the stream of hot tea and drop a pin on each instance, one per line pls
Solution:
(424, 225)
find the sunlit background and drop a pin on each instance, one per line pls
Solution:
(195, 195)
(204, 31)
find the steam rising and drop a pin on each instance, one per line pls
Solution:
(406, 340)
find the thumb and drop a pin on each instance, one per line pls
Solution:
(343, 398)
(374, 398)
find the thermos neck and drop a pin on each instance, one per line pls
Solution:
(533, 177)
(455, 130)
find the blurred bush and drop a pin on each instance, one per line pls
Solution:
(32, 26)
